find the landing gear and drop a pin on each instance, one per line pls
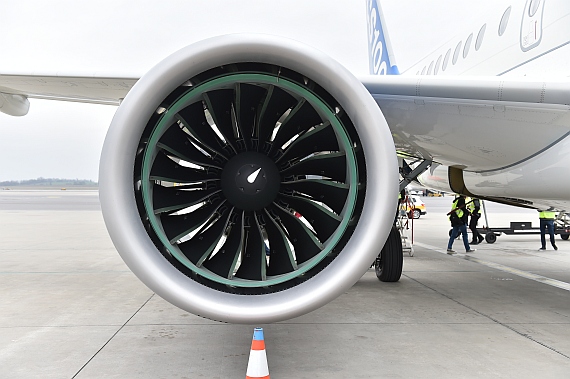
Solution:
(389, 262)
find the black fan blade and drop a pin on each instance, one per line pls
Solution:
(139, 161)
(225, 260)
(253, 264)
(331, 165)
(176, 142)
(164, 168)
(220, 104)
(194, 119)
(281, 258)
(177, 226)
(248, 101)
(322, 138)
(304, 241)
(323, 221)
(168, 199)
(276, 103)
(333, 194)
(200, 246)
(301, 119)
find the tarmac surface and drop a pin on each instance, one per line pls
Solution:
(70, 308)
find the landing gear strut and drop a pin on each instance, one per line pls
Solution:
(389, 263)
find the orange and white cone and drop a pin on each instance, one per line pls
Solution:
(257, 364)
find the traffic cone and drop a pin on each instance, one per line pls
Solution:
(257, 364)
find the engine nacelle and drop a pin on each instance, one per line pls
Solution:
(14, 105)
(248, 179)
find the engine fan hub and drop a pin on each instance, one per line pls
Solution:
(250, 181)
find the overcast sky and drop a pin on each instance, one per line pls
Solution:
(58, 139)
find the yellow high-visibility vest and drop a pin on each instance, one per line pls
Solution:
(459, 212)
(547, 215)
(472, 205)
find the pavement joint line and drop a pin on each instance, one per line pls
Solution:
(113, 336)
(511, 327)
(500, 267)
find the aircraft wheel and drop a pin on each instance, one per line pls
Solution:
(490, 237)
(391, 259)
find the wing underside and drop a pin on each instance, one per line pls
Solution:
(87, 89)
(503, 139)
(479, 124)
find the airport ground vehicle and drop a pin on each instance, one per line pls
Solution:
(414, 207)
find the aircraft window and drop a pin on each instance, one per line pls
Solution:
(456, 52)
(504, 21)
(437, 64)
(467, 45)
(424, 70)
(446, 59)
(480, 37)
(430, 69)
(533, 7)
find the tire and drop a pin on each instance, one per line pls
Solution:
(391, 259)
(416, 213)
(565, 236)
(490, 237)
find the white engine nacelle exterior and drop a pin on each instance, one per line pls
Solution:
(14, 105)
(141, 255)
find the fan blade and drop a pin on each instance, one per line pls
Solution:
(333, 194)
(164, 168)
(331, 165)
(276, 103)
(225, 260)
(194, 119)
(220, 104)
(301, 119)
(176, 142)
(323, 221)
(281, 258)
(168, 199)
(304, 241)
(248, 100)
(177, 226)
(322, 138)
(200, 246)
(253, 263)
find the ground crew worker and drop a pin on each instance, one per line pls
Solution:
(458, 218)
(474, 208)
(547, 222)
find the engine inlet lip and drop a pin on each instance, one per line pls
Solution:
(120, 210)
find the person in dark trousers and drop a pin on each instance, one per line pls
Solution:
(458, 217)
(474, 208)
(547, 222)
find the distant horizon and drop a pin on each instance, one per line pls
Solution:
(41, 181)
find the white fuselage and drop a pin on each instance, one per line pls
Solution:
(503, 151)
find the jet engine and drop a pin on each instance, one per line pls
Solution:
(248, 179)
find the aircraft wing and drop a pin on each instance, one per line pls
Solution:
(16, 88)
(479, 124)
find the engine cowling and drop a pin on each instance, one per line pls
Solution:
(248, 178)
